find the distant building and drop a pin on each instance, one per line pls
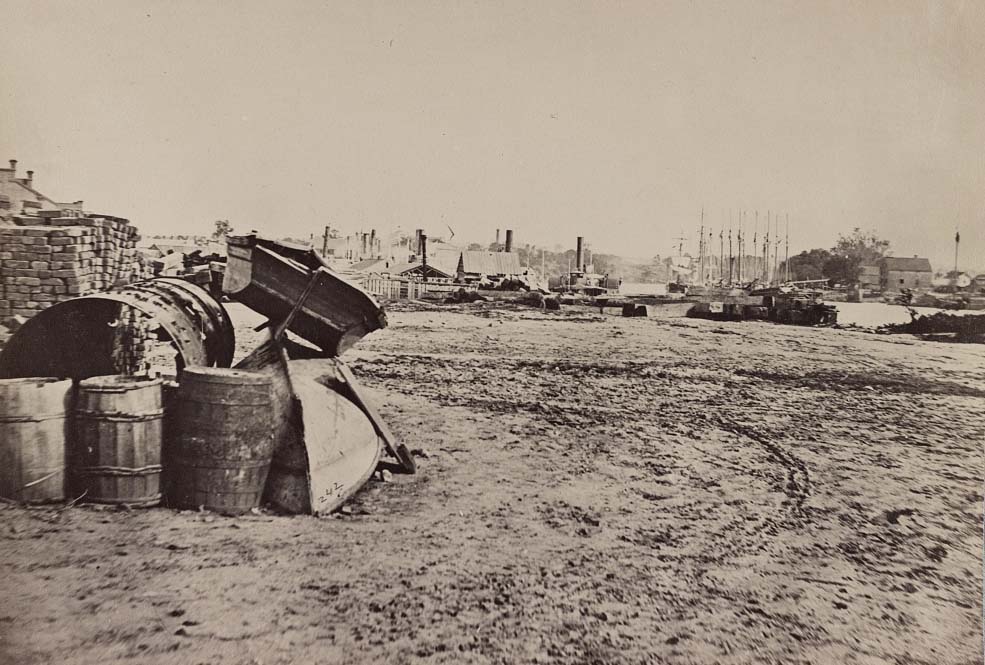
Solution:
(870, 277)
(416, 269)
(368, 265)
(473, 266)
(978, 283)
(19, 197)
(905, 273)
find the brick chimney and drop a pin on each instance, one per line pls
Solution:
(29, 178)
(13, 166)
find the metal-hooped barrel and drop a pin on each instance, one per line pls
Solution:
(115, 455)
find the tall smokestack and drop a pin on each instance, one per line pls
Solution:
(580, 255)
(363, 237)
(424, 257)
(418, 234)
(372, 242)
(509, 240)
(497, 238)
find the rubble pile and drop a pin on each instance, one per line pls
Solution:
(59, 259)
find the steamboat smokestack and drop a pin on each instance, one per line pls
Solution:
(509, 240)
(580, 255)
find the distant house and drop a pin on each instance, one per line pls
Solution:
(978, 283)
(19, 197)
(905, 273)
(870, 277)
(473, 266)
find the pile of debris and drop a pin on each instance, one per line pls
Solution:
(958, 327)
(288, 425)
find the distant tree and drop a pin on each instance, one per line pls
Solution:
(853, 251)
(222, 229)
(807, 265)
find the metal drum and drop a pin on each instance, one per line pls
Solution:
(223, 440)
(116, 453)
(32, 438)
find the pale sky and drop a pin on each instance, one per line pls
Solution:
(614, 121)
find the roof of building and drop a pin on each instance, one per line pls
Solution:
(905, 264)
(37, 194)
(445, 257)
(404, 268)
(368, 265)
(491, 263)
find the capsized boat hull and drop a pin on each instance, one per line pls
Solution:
(341, 445)
(270, 276)
(325, 446)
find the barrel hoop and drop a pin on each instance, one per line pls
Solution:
(31, 419)
(218, 464)
(43, 478)
(138, 502)
(116, 470)
(120, 416)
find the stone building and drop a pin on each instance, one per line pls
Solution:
(905, 273)
(19, 197)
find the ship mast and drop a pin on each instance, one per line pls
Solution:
(729, 264)
(766, 250)
(701, 249)
(786, 252)
(755, 246)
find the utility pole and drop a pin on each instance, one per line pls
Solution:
(755, 247)
(957, 242)
(738, 272)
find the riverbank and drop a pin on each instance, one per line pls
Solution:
(590, 489)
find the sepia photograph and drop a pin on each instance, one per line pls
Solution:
(574, 332)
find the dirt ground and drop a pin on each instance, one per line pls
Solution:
(595, 490)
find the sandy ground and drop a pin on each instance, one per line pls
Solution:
(596, 490)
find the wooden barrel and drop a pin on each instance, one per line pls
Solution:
(32, 438)
(115, 456)
(223, 442)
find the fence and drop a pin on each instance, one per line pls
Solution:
(403, 287)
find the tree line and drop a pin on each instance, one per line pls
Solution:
(842, 264)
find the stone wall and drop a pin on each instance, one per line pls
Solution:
(56, 259)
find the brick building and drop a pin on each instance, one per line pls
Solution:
(19, 197)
